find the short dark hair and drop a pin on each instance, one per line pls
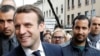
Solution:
(31, 8)
(81, 17)
(6, 8)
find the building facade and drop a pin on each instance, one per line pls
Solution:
(89, 8)
(59, 8)
(67, 10)
(39, 4)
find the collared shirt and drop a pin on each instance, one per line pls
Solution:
(29, 52)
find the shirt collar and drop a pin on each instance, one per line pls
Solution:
(29, 52)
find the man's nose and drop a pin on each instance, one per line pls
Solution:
(80, 31)
(5, 24)
(22, 30)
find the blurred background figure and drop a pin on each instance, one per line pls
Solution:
(68, 35)
(58, 27)
(94, 35)
(59, 36)
(8, 39)
(47, 36)
(8, 2)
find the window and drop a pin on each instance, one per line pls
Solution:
(72, 4)
(72, 16)
(56, 10)
(86, 2)
(68, 19)
(61, 8)
(79, 3)
(61, 22)
(44, 14)
(49, 12)
(86, 13)
(93, 12)
(93, 1)
(68, 4)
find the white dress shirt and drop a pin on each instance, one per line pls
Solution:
(29, 52)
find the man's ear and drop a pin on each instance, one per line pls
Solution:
(41, 26)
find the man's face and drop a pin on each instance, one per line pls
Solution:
(80, 30)
(58, 38)
(95, 26)
(6, 23)
(47, 38)
(27, 29)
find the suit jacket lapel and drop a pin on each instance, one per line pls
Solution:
(20, 52)
(46, 49)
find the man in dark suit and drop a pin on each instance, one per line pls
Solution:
(29, 22)
(79, 45)
(8, 39)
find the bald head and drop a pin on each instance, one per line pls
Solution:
(95, 25)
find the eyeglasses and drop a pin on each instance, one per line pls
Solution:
(59, 37)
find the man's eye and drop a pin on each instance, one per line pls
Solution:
(17, 26)
(76, 27)
(1, 21)
(28, 25)
(94, 24)
(10, 20)
(99, 24)
(84, 28)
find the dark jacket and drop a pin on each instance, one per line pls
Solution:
(71, 50)
(6, 45)
(49, 49)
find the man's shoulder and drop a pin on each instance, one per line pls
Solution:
(52, 49)
(50, 45)
(67, 48)
(17, 51)
(12, 53)
(94, 49)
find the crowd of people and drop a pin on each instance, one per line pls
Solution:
(22, 34)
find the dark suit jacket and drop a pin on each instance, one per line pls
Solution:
(6, 45)
(49, 49)
(72, 50)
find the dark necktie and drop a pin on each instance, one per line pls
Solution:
(37, 53)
